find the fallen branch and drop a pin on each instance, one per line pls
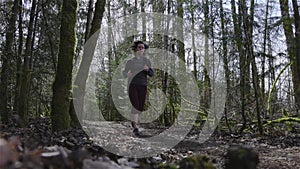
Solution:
(283, 119)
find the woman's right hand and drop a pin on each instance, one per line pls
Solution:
(129, 74)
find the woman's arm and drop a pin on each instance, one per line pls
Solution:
(127, 69)
(150, 71)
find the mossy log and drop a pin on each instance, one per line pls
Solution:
(283, 119)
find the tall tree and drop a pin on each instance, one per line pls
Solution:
(296, 72)
(226, 62)
(63, 79)
(293, 44)
(6, 61)
(266, 34)
(19, 61)
(167, 116)
(144, 20)
(26, 72)
(238, 38)
(89, 20)
(180, 30)
(82, 75)
(248, 21)
(207, 81)
(195, 71)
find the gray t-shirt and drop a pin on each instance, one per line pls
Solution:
(136, 66)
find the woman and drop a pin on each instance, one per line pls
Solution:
(136, 70)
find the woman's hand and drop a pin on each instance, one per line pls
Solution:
(129, 74)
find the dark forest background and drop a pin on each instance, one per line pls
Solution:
(42, 44)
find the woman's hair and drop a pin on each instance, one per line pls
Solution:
(136, 43)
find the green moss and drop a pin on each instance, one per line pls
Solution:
(283, 119)
(241, 157)
(166, 166)
(196, 162)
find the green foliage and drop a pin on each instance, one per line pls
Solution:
(166, 166)
(104, 80)
(196, 162)
(45, 52)
(104, 99)
(270, 97)
(44, 57)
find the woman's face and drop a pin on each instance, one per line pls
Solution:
(140, 49)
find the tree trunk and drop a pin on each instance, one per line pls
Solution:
(89, 20)
(143, 20)
(242, 61)
(157, 22)
(272, 72)
(6, 62)
(110, 64)
(82, 75)
(180, 30)
(167, 116)
(297, 55)
(63, 80)
(226, 66)
(292, 42)
(195, 71)
(248, 31)
(206, 100)
(26, 72)
(19, 61)
(264, 53)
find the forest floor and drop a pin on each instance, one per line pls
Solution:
(36, 147)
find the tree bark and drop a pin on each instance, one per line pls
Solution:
(82, 75)
(143, 20)
(195, 71)
(248, 29)
(180, 30)
(206, 100)
(26, 72)
(297, 55)
(89, 20)
(6, 62)
(292, 42)
(242, 61)
(226, 66)
(264, 53)
(63, 80)
(19, 61)
(167, 116)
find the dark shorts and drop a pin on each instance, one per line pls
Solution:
(137, 95)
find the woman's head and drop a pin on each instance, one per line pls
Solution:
(139, 47)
